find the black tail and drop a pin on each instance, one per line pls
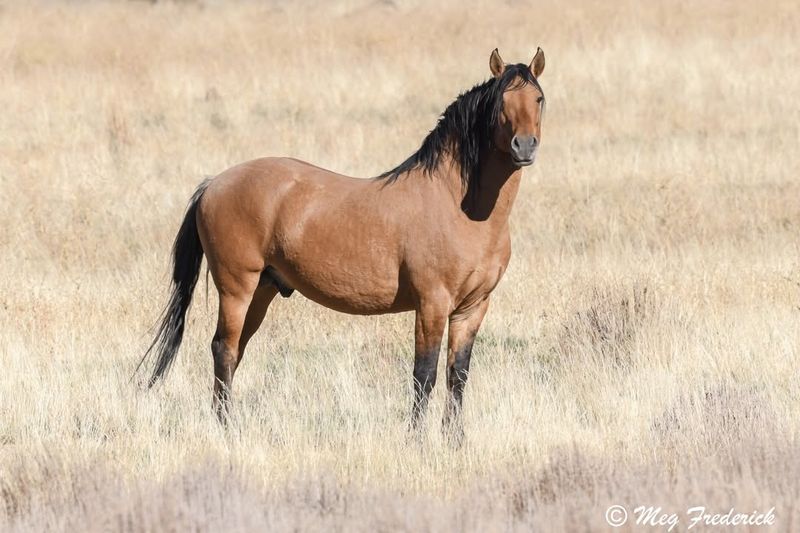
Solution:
(187, 256)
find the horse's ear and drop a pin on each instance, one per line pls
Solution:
(537, 64)
(496, 64)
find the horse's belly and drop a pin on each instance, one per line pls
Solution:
(347, 284)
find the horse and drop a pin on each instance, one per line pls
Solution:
(429, 236)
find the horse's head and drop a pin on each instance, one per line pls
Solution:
(519, 121)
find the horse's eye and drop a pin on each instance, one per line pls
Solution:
(540, 100)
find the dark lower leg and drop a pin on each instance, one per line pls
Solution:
(457, 374)
(424, 381)
(223, 375)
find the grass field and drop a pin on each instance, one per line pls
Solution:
(642, 348)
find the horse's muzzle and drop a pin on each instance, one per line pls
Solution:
(523, 149)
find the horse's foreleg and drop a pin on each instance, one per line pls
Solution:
(234, 303)
(428, 330)
(463, 329)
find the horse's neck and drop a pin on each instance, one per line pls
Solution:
(492, 198)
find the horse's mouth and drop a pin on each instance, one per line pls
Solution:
(523, 162)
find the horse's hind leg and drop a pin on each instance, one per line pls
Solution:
(235, 298)
(255, 314)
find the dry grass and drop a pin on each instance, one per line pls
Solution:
(642, 348)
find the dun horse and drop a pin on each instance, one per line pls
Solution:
(429, 236)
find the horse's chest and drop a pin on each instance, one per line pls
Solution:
(485, 276)
(478, 276)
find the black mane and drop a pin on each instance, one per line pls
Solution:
(465, 128)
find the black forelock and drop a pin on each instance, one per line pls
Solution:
(465, 127)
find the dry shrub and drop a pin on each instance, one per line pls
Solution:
(608, 325)
(712, 417)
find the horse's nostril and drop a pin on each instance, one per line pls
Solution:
(523, 146)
